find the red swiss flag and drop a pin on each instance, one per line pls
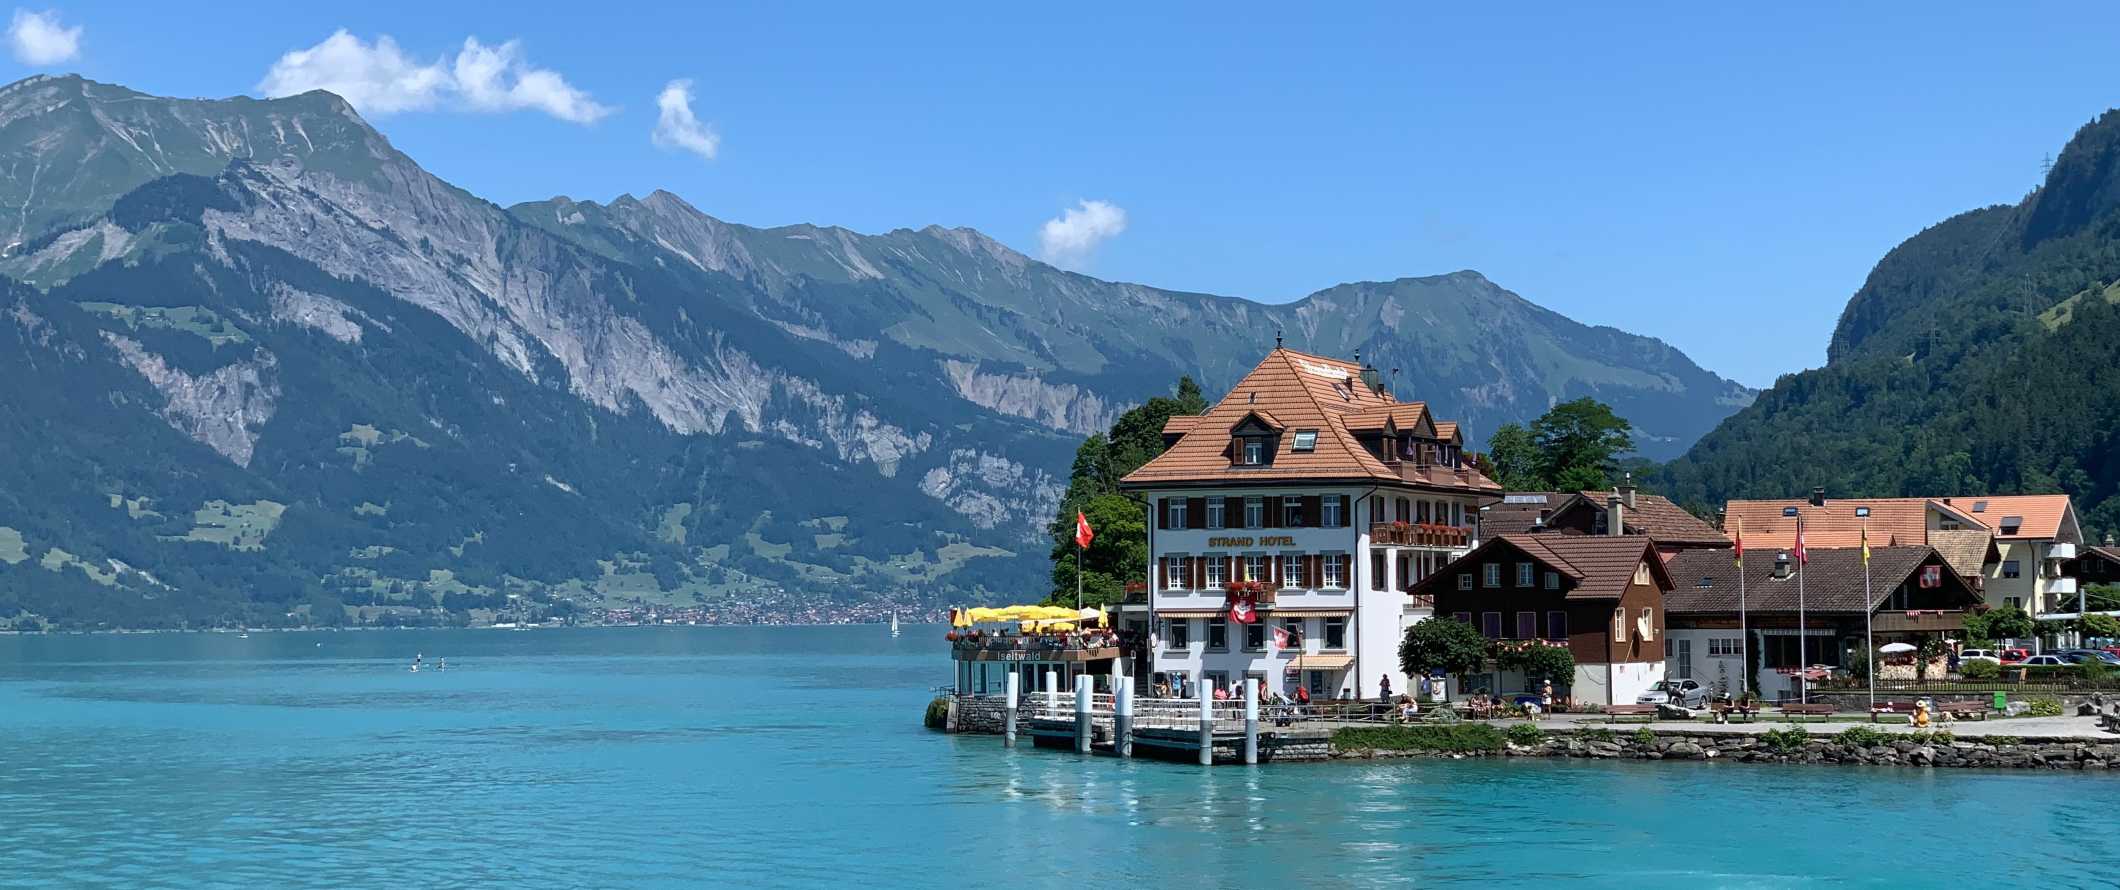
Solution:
(1083, 533)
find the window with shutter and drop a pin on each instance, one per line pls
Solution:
(1196, 513)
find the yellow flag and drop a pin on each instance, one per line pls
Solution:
(1865, 543)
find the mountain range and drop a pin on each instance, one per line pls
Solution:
(1981, 356)
(257, 365)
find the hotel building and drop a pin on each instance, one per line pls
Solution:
(1311, 479)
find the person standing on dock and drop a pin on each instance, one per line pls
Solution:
(1384, 688)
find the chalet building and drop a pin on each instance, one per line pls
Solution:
(1602, 595)
(1913, 592)
(1595, 513)
(2034, 537)
(2094, 565)
(1312, 482)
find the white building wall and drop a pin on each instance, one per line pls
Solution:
(1632, 678)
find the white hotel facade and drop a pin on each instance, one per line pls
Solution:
(1310, 478)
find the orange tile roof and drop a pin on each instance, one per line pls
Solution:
(1180, 424)
(1894, 521)
(1447, 430)
(1300, 392)
(2044, 515)
(1404, 415)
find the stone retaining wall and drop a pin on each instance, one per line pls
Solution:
(1821, 748)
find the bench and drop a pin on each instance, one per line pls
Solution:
(1963, 710)
(1895, 708)
(1614, 712)
(1725, 712)
(1792, 712)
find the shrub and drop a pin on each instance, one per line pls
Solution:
(1524, 735)
(1863, 736)
(2092, 670)
(1644, 737)
(2044, 706)
(2002, 740)
(1458, 738)
(1442, 644)
(1979, 669)
(938, 713)
(1939, 737)
(1785, 741)
(1538, 660)
(1596, 734)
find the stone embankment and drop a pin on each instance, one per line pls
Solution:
(1931, 750)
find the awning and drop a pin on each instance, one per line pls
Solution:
(1190, 613)
(1309, 612)
(1321, 663)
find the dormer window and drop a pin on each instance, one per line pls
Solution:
(1254, 452)
(1306, 440)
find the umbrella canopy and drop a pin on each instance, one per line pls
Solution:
(1896, 648)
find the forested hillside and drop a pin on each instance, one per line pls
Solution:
(1982, 355)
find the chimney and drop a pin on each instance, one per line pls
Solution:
(1818, 496)
(1781, 565)
(1626, 490)
(1615, 516)
(2108, 539)
(1722, 518)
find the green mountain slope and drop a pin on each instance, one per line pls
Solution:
(260, 366)
(1979, 356)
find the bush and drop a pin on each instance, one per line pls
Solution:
(1863, 737)
(1459, 738)
(1979, 669)
(1537, 660)
(2092, 671)
(2004, 740)
(2044, 706)
(1644, 737)
(1596, 734)
(1785, 741)
(938, 713)
(1524, 735)
(1442, 644)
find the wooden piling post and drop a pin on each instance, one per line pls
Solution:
(1207, 723)
(1251, 721)
(1123, 717)
(1008, 712)
(1082, 714)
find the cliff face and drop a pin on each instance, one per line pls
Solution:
(599, 390)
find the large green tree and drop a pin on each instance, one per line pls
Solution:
(1119, 553)
(1442, 644)
(1515, 458)
(1580, 444)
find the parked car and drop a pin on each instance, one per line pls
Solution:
(1690, 693)
(1979, 655)
(2045, 661)
(2079, 656)
(2013, 656)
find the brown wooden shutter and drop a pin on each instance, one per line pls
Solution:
(1192, 571)
(1163, 513)
(1273, 512)
(1162, 578)
(1314, 570)
(1313, 511)
(1195, 512)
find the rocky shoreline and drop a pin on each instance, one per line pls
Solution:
(1934, 750)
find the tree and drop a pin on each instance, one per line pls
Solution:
(1515, 458)
(1442, 644)
(2005, 623)
(1580, 443)
(1538, 661)
(2105, 626)
(1117, 553)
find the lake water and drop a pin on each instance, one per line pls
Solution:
(629, 757)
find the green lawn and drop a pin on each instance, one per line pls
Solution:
(235, 526)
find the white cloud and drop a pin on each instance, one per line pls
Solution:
(1068, 240)
(678, 127)
(379, 78)
(37, 38)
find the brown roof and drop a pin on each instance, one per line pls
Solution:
(1447, 430)
(1832, 582)
(1601, 566)
(1404, 415)
(1894, 521)
(1300, 392)
(1518, 512)
(1966, 549)
(1656, 516)
(1180, 424)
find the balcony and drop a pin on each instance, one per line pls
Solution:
(1423, 534)
(2061, 550)
(2061, 586)
(1092, 645)
(1918, 621)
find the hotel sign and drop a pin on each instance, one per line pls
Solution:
(1261, 541)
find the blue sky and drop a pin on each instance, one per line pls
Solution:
(1722, 179)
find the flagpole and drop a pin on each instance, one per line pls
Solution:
(1869, 643)
(1803, 627)
(1078, 576)
(1744, 636)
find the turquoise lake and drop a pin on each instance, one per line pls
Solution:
(629, 757)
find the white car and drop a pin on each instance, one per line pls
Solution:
(1979, 655)
(2044, 660)
(1690, 694)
